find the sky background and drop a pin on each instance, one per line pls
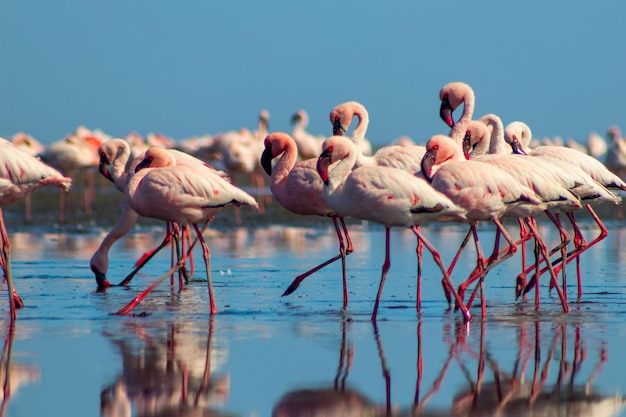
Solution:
(194, 67)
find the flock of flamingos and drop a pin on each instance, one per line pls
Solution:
(481, 171)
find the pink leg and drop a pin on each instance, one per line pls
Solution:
(15, 301)
(420, 252)
(437, 257)
(207, 261)
(453, 264)
(383, 277)
(544, 251)
(343, 252)
(146, 257)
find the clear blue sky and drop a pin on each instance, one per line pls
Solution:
(192, 67)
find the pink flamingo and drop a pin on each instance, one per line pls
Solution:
(298, 188)
(114, 159)
(486, 192)
(161, 189)
(406, 158)
(571, 177)
(552, 187)
(387, 196)
(518, 135)
(20, 175)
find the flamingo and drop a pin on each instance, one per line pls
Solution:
(115, 157)
(556, 189)
(387, 196)
(298, 188)
(161, 189)
(309, 146)
(20, 175)
(76, 153)
(518, 135)
(407, 158)
(486, 192)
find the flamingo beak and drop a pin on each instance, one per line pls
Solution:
(517, 147)
(338, 129)
(104, 167)
(427, 164)
(101, 279)
(266, 160)
(445, 112)
(143, 164)
(323, 162)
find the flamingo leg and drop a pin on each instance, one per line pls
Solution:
(494, 259)
(418, 296)
(15, 301)
(166, 241)
(207, 261)
(521, 279)
(135, 301)
(453, 264)
(383, 277)
(343, 252)
(565, 239)
(580, 244)
(437, 257)
(544, 250)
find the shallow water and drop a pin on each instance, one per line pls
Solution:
(263, 353)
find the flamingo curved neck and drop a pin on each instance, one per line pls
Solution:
(460, 127)
(497, 144)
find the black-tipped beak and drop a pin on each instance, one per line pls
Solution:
(266, 160)
(338, 130)
(445, 112)
(323, 162)
(427, 164)
(104, 167)
(517, 146)
(143, 164)
(100, 278)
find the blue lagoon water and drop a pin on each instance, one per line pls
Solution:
(264, 354)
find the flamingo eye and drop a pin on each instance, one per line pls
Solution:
(436, 147)
(330, 148)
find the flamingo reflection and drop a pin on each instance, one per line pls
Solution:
(167, 374)
(337, 400)
(494, 391)
(13, 375)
